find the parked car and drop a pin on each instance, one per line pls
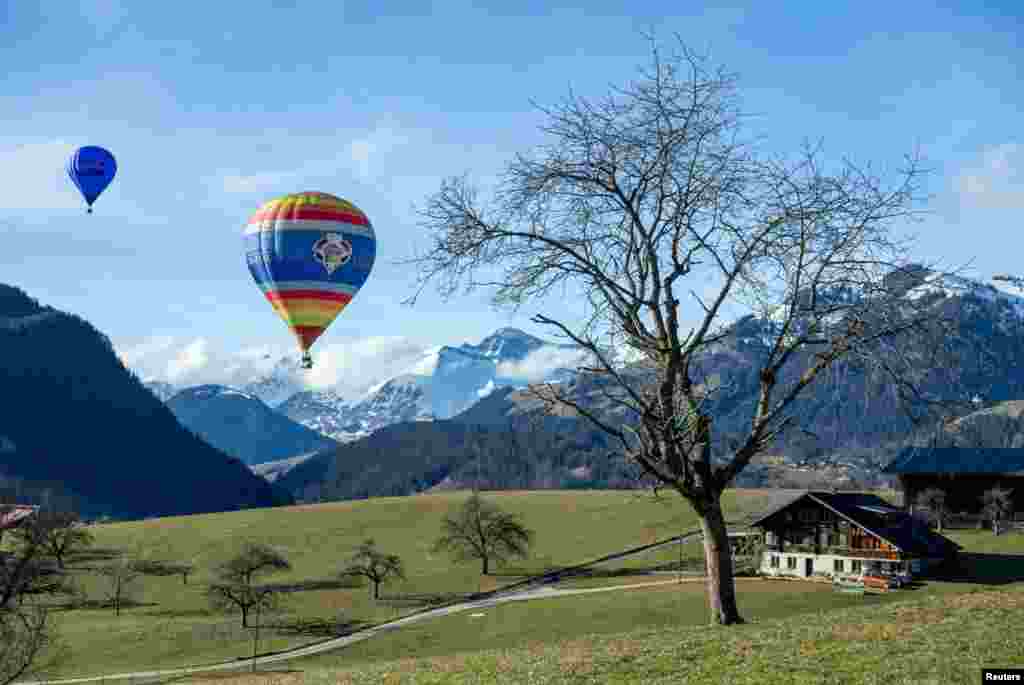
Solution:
(880, 581)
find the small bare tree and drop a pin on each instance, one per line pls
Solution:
(236, 586)
(933, 500)
(480, 530)
(64, 534)
(120, 576)
(376, 566)
(653, 186)
(997, 504)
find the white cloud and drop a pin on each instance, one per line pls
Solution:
(33, 176)
(540, 363)
(191, 359)
(353, 366)
(139, 356)
(348, 368)
(997, 181)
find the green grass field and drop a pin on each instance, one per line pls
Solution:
(929, 639)
(173, 626)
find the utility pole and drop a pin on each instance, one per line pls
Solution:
(255, 637)
(680, 557)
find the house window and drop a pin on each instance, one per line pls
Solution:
(790, 562)
(775, 561)
(826, 515)
(855, 565)
(833, 540)
(769, 538)
(807, 515)
(837, 565)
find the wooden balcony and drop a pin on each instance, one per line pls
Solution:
(839, 551)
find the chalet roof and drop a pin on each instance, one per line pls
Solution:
(977, 460)
(877, 517)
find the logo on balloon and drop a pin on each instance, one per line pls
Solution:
(332, 251)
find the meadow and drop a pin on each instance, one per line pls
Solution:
(172, 625)
(930, 639)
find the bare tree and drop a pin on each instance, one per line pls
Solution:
(646, 189)
(237, 588)
(480, 530)
(997, 504)
(64, 534)
(26, 631)
(372, 564)
(933, 500)
(120, 577)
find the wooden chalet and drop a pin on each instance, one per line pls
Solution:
(963, 474)
(846, 534)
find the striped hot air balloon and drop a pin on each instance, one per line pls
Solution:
(309, 253)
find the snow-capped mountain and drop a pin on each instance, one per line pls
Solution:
(448, 380)
(445, 381)
(279, 384)
(325, 412)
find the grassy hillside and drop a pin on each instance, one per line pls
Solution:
(173, 625)
(941, 639)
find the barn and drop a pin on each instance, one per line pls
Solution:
(963, 474)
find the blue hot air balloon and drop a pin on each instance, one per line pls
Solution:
(91, 169)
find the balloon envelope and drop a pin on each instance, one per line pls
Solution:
(309, 253)
(91, 169)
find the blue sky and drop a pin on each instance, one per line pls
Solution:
(212, 110)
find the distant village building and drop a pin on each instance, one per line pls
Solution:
(963, 474)
(847, 534)
(12, 516)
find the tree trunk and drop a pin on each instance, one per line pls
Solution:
(245, 617)
(376, 590)
(718, 562)
(486, 565)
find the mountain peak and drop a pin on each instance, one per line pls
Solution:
(211, 391)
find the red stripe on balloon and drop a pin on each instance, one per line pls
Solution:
(326, 296)
(300, 212)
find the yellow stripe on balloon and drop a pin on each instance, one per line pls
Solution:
(309, 317)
